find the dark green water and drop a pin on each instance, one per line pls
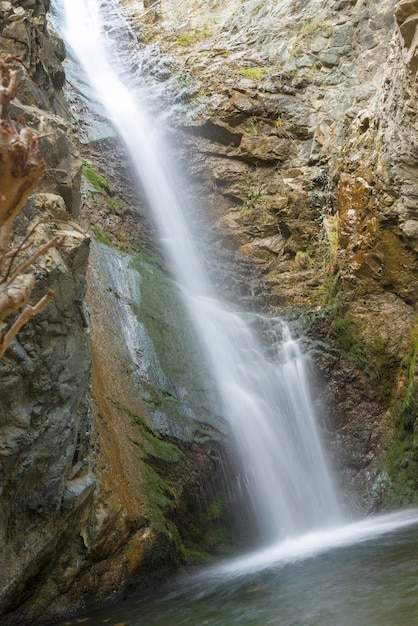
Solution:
(369, 584)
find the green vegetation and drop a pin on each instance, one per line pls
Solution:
(156, 448)
(307, 32)
(101, 236)
(254, 73)
(217, 508)
(370, 357)
(313, 26)
(197, 525)
(302, 258)
(252, 126)
(252, 197)
(192, 37)
(398, 485)
(101, 186)
(159, 494)
(99, 183)
(401, 486)
(330, 224)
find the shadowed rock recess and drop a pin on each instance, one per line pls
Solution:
(297, 124)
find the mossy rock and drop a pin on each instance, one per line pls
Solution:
(402, 456)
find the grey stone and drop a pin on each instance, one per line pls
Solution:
(328, 60)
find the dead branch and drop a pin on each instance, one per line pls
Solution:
(56, 242)
(27, 314)
(21, 163)
(7, 88)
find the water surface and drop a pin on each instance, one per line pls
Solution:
(370, 583)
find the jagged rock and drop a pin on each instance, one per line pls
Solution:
(406, 15)
(45, 420)
(45, 424)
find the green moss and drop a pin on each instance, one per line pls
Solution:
(159, 449)
(254, 73)
(217, 508)
(193, 555)
(218, 537)
(177, 394)
(160, 496)
(306, 34)
(101, 236)
(151, 445)
(401, 484)
(378, 366)
(192, 37)
(371, 357)
(402, 456)
(183, 390)
(252, 127)
(252, 197)
(312, 26)
(302, 258)
(98, 182)
(101, 186)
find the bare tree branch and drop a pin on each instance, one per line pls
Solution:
(27, 314)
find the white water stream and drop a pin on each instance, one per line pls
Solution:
(265, 400)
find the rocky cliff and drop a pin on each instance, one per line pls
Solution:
(45, 424)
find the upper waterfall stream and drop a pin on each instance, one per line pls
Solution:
(266, 401)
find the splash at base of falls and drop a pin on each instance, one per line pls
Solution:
(312, 544)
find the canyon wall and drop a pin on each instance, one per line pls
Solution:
(296, 122)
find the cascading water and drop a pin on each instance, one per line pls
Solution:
(265, 400)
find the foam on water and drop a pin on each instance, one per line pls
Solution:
(313, 543)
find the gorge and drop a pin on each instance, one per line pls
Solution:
(322, 205)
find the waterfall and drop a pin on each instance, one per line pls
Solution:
(264, 397)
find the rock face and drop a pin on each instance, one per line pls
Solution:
(46, 483)
(300, 119)
(24, 34)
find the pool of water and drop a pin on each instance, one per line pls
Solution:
(374, 583)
